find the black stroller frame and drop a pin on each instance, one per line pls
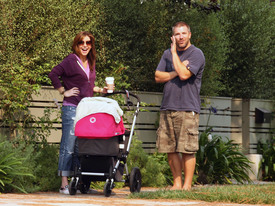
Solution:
(108, 168)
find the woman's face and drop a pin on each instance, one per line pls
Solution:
(84, 46)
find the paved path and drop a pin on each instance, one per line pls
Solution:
(96, 198)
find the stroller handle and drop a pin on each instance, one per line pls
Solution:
(126, 92)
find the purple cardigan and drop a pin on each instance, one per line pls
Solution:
(72, 75)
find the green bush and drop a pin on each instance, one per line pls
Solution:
(154, 167)
(46, 167)
(28, 167)
(249, 24)
(267, 167)
(13, 168)
(220, 161)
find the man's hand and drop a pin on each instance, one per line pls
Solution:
(173, 44)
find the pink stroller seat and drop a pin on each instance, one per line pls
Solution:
(98, 126)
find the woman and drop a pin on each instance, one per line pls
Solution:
(77, 72)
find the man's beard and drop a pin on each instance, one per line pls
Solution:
(182, 46)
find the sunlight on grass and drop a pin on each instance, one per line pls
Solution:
(242, 194)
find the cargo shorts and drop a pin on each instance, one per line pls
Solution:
(178, 132)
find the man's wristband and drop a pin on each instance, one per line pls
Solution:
(62, 93)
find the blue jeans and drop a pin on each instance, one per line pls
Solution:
(68, 145)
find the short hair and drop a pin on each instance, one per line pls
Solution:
(179, 24)
(92, 54)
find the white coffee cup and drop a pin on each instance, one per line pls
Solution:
(110, 84)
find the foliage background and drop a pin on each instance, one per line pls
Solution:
(237, 38)
(131, 35)
(250, 27)
(237, 41)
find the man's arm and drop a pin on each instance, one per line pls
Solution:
(180, 67)
(161, 77)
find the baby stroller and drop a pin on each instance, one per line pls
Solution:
(103, 144)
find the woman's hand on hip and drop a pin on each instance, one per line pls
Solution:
(72, 92)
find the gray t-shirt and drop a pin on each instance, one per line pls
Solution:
(179, 95)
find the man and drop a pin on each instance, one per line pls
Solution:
(180, 68)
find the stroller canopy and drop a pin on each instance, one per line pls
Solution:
(92, 105)
(98, 117)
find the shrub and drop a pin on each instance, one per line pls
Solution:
(153, 167)
(42, 160)
(12, 168)
(219, 161)
(46, 168)
(249, 24)
(37, 171)
(267, 166)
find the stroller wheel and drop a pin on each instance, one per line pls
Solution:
(107, 189)
(135, 180)
(84, 189)
(73, 186)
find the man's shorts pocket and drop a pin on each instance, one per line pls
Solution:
(192, 141)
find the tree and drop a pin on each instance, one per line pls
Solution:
(35, 36)
(141, 32)
(250, 28)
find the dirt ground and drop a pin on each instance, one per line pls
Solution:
(97, 198)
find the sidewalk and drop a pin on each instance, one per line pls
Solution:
(97, 198)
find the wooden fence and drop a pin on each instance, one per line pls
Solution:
(234, 118)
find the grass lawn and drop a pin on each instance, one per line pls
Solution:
(242, 194)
